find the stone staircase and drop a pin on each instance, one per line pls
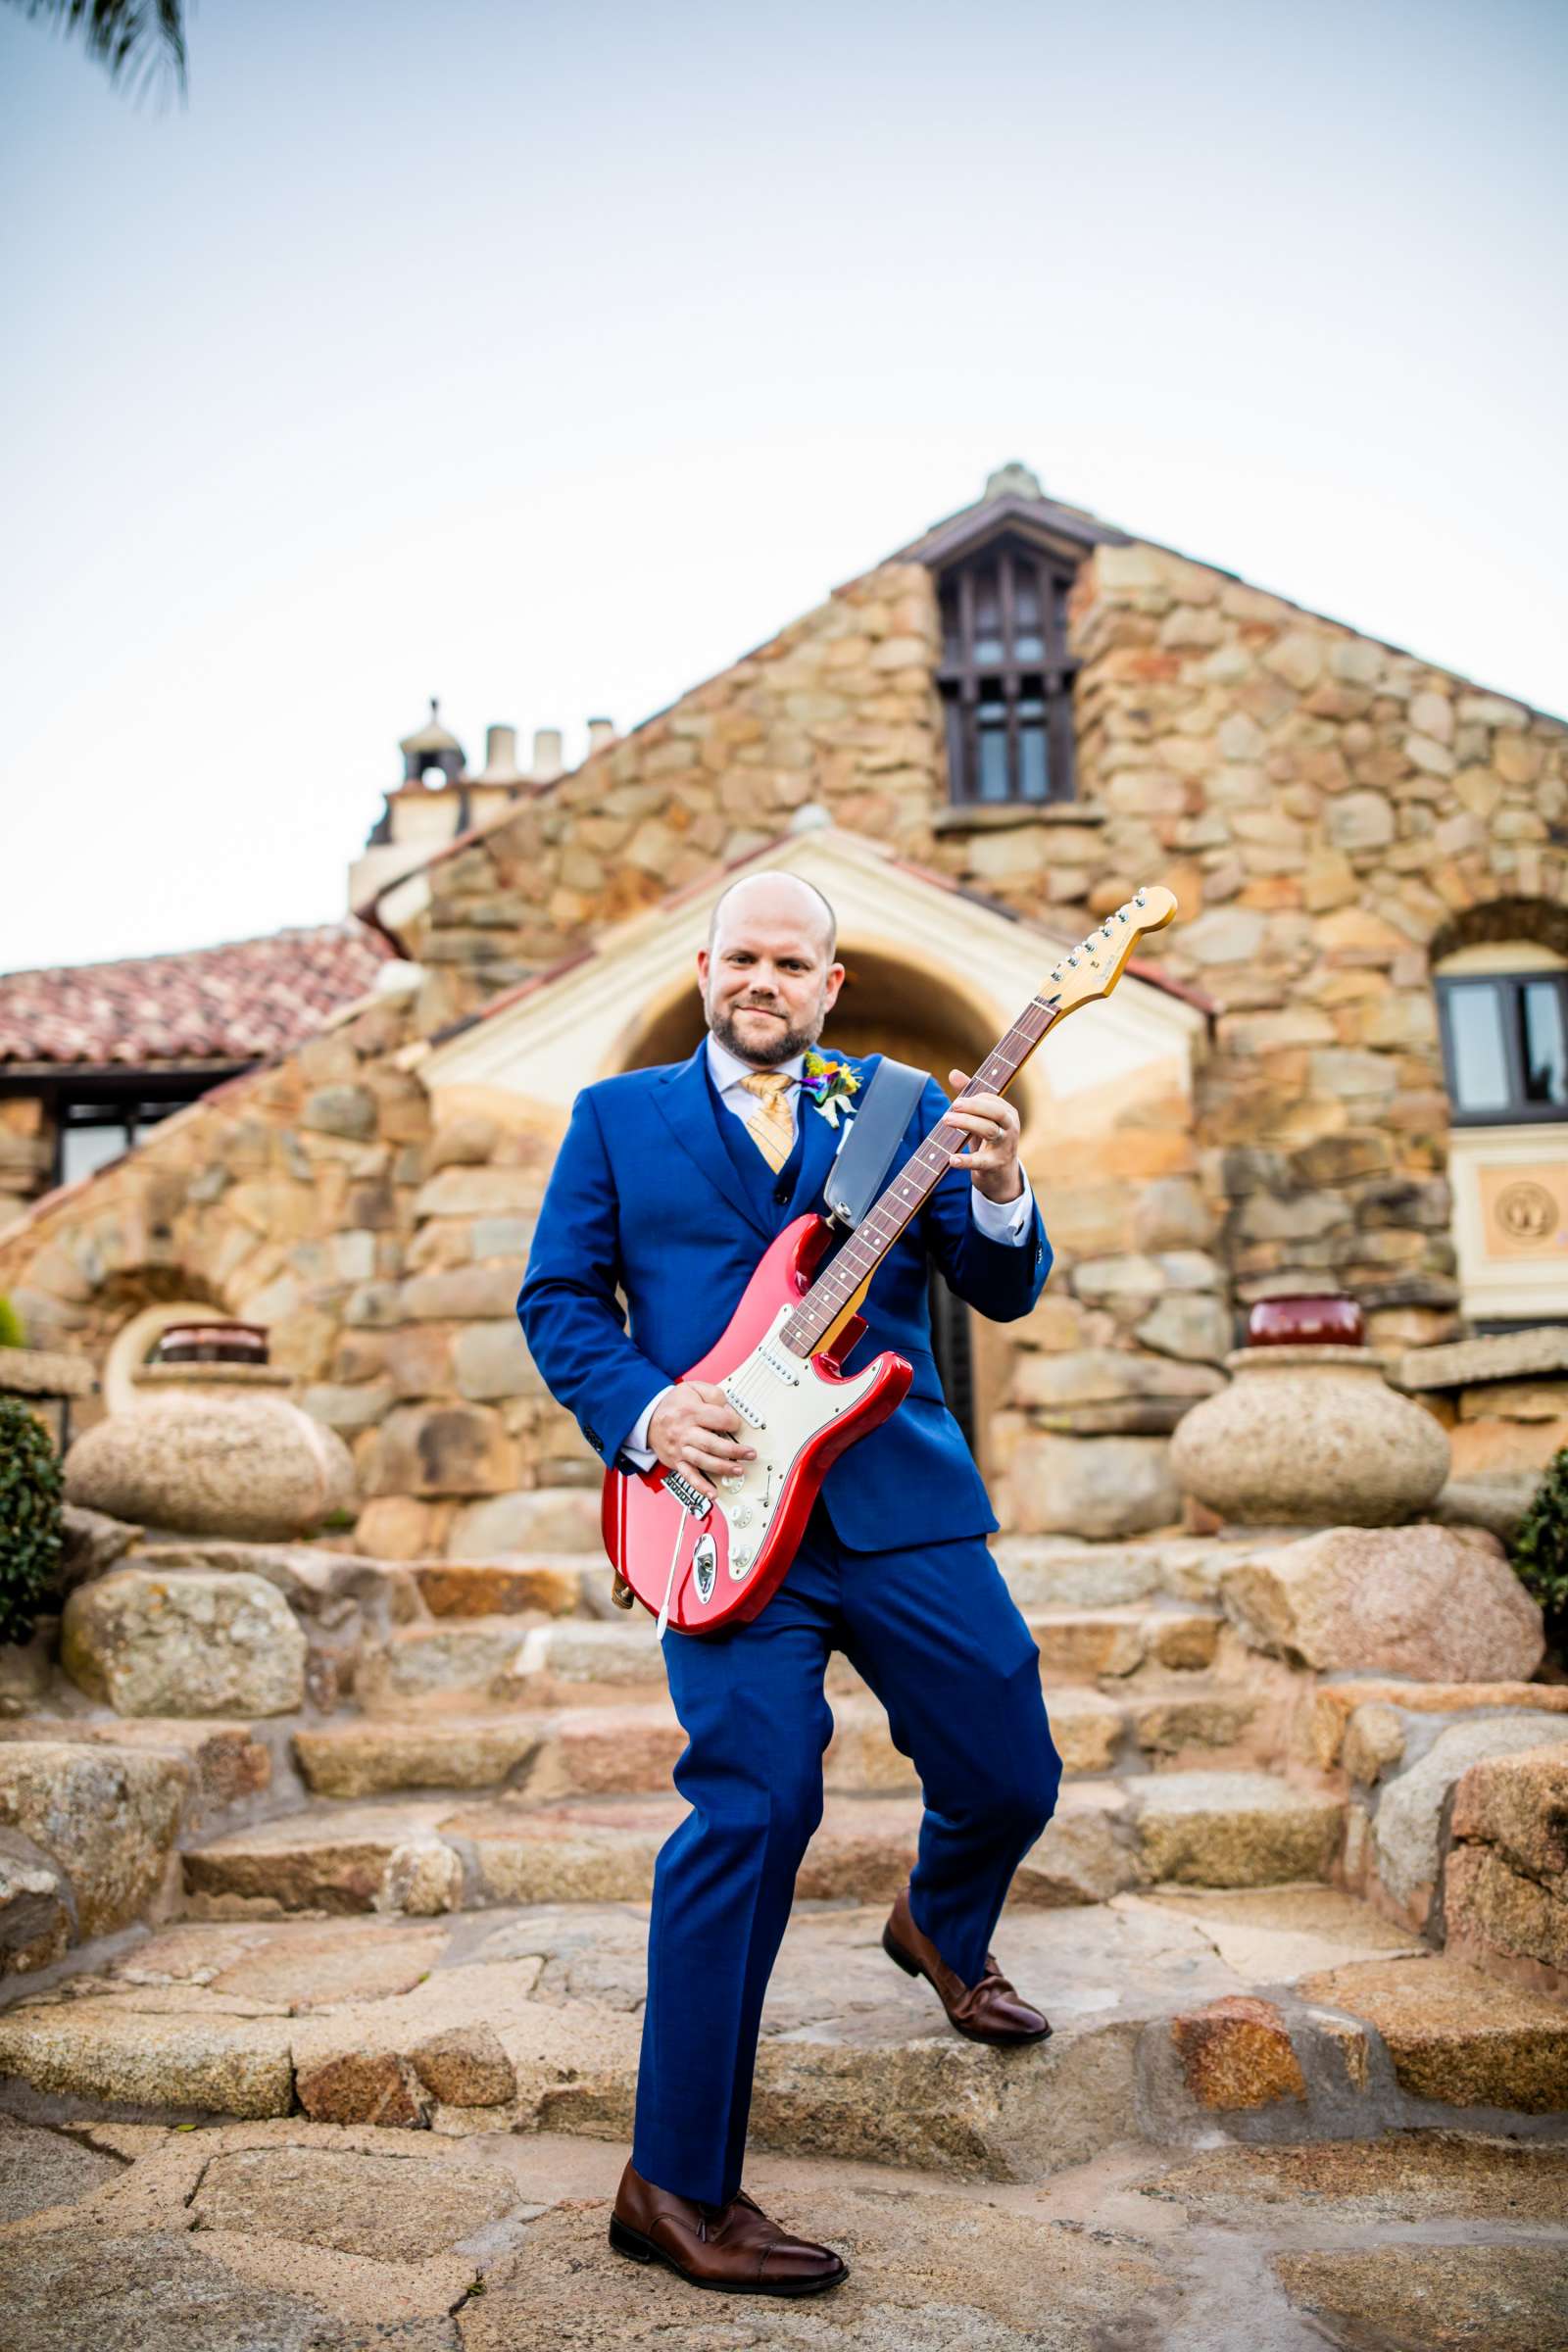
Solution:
(416, 1897)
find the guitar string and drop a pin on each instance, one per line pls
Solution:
(750, 1390)
(750, 1387)
(849, 1272)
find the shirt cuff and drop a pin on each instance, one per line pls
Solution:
(1003, 1220)
(635, 1445)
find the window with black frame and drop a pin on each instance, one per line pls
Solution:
(1006, 677)
(92, 1133)
(1506, 1045)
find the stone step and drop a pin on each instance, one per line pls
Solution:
(423, 1667)
(1294, 2013)
(425, 1856)
(1046, 1572)
(549, 1583)
(87, 1832)
(551, 1519)
(321, 1583)
(1325, 1719)
(626, 1747)
(229, 1763)
(554, 1661)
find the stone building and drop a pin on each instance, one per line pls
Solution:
(1345, 1066)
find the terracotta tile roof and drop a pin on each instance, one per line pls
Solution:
(239, 1003)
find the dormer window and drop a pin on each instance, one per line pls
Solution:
(1005, 676)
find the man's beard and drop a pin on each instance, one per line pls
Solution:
(770, 1051)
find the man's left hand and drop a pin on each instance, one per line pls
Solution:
(992, 1153)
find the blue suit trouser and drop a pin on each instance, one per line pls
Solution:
(936, 1635)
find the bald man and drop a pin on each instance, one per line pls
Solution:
(668, 1189)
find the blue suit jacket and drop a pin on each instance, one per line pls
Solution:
(645, 1199)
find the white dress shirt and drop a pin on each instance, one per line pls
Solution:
(998, 1220)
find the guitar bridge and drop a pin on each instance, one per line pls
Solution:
(690, 1499)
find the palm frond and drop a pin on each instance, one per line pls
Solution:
(140, 41)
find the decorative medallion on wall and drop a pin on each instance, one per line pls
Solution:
(1527, 1214)
(1526, 1210)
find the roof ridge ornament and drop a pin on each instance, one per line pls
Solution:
(1012, 480)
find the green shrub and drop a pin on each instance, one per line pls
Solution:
(30, 1532)
(11, 1331)
(1541, 1547)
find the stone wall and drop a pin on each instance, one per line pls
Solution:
(384, 1258)
(837, 710)
(284, 1196)
(1330, 812)
(27, 1152)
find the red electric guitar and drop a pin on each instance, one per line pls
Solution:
(702, 1564)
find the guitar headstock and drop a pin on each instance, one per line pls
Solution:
(1094, 967)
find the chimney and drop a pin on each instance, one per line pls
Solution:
(499, 758)
(547, 762)
(601, 731)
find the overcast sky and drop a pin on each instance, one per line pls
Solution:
(547, 359)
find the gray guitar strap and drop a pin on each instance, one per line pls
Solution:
(862, 1162)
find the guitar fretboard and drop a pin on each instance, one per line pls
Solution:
(905, 1195)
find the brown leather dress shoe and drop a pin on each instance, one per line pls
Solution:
(733, 2247)
(987, 2010)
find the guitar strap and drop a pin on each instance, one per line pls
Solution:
(862, 1160)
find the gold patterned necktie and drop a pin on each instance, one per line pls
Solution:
(772, 1127)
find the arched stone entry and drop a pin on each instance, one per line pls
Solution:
(888, 1005)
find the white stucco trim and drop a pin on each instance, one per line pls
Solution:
(584, 1024)
(1528, 1281)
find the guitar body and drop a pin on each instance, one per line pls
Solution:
(723, 1566)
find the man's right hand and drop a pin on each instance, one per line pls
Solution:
(697, 1430)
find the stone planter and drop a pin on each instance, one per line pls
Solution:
(1311, 1437)
(213, 1449)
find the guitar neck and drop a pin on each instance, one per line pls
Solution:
(824, 1304)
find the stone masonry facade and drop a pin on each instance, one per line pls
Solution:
(1332, 813)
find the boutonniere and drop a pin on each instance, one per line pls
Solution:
(830, 1083)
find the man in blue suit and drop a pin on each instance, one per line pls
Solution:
(667, 1188)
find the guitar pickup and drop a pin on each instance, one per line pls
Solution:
(747, 1412)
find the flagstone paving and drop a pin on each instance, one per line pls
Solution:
(298, 2236)
(363, 2072)
(1280, 2014)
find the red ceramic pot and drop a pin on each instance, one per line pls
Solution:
(213, 1344)
(1325, 1322)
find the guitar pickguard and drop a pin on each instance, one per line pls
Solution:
(782, 1403)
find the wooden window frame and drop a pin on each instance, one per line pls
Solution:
(964, 681)
(1518, 1111)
